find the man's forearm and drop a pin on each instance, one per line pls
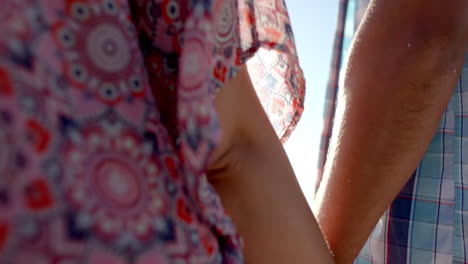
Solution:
(401, 73)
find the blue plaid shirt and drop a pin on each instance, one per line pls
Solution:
(428, 220)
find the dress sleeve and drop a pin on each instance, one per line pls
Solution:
(267, 40)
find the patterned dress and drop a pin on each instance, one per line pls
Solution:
(428, 220)
(107, 122)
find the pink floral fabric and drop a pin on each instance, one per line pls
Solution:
(107, 123)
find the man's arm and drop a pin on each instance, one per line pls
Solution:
(257, 185)
(403, 66)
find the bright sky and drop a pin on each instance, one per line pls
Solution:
(313, 22)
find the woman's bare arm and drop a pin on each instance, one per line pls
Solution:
(257, 184)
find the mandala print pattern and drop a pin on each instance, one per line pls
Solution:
(97, 40)
(114, 187)
(98, 47)
(107, 122)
